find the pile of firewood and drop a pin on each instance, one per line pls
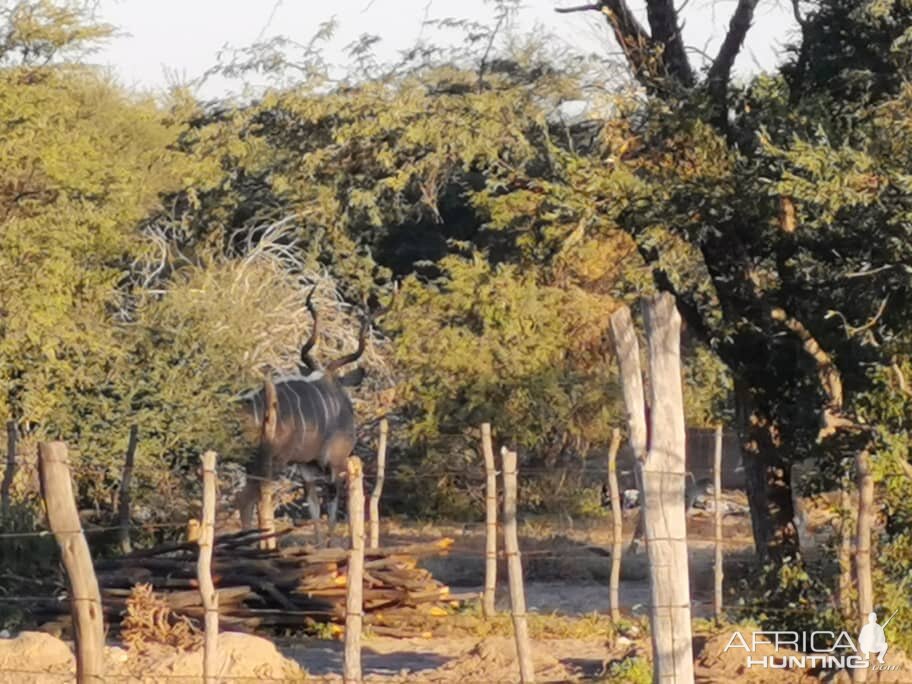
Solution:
(290, 588)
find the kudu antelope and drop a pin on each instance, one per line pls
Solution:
(305, 419)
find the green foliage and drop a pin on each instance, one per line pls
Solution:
(635, 670)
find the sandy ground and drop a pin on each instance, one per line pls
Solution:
(566, 569)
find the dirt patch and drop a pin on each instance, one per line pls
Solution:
(714, 664)
(455, 660)
(33, 657)
(38, 658)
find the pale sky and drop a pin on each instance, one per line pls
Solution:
(184, 36)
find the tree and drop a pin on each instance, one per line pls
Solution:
(767, 184)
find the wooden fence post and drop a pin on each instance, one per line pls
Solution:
(265, 504)
(844, 589)
(354, 593)
(717, 514)
(514, 569)
(627, 350)
(10, 472)
(123, 494)
(863, 545)
(85, 599)
(490, 585)
(617, 525)
(378, 487)
(204, 568)
(664, 475)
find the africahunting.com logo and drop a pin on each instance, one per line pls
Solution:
(823, 649)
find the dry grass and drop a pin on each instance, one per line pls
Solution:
(150, 621)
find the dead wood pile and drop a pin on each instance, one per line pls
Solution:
(289, 588)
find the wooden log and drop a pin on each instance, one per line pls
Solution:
(207, 591)
(514, 568)
(10, 472)
(123, 493)
(378, 486)
(266, 485)
(717, 516)
(490, 584)
(85, 598)
(663, 505)
(617, 525)
(354, 597)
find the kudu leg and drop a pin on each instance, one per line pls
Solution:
(313, 503)
(332, 509)
(246, 500)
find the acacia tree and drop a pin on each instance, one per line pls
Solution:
(776, 191)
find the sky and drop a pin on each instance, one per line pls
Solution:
(159, 40)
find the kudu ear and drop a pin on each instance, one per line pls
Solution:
(353, 378)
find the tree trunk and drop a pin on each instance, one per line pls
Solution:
(768, 480)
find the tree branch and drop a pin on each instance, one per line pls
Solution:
(720, 72)
(595, 6)
(831, 420)
(663, 22)
(630, 34)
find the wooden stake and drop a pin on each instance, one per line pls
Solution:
(490, 584)
(617, 525)
(717, 514)
(863, 545)
(628, 353)
(265, 504)
(10, 472)
(207, 591)
(664, 473)
(85, 599)
(123, 494)
(374, 511)
(353, 598)
(844, 590)
(514, 569)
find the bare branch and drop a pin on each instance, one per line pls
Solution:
(595, 6)
(796, 10)
(630, 34)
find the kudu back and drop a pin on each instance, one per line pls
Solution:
(306, 419)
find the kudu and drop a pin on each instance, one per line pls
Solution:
(305, 419)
